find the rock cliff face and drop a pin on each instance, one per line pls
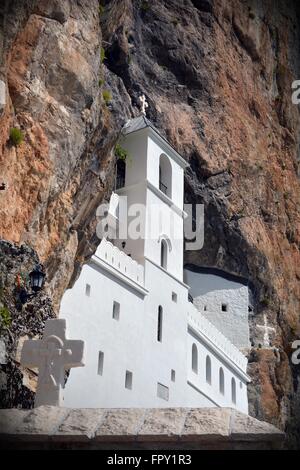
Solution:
(217, 75)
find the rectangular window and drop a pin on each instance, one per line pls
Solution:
(159, 324)
(116, 310)
(87, 290)
(100, 362)
(224, 307)
(173, 375)
(162, 391)
(174, 296)
(128, 380)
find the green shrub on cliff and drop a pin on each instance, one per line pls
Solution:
(16, 136)
(5, 317)
(106, 95)
(102, 55)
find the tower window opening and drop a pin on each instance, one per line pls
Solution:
(120, 174)
(165, 175)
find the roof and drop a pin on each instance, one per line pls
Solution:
(141, 122)
(138, 123)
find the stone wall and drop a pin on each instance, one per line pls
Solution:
(173, 428)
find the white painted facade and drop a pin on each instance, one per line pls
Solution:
(134, 315)
(224, 302)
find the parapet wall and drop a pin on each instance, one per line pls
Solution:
(123, 263)
(50, 427)
(200, 324)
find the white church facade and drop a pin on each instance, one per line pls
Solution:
(146, 343)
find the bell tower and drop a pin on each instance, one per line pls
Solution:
(152, 179)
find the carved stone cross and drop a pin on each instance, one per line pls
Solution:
(52, 355)
(144, 104)
(266, 329)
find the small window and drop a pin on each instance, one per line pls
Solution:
(194, 359)
(159, 324)
(128, 380)
(174, 296)
(100, 362)
(208, 370)
(162, 392)
(163, 254)
(173, 375)
(205, 308)
(87, 290)
(120, 174)
(233, 391)
(221, 381)
(116, 310)
(224, 307)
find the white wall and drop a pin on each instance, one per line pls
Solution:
(154, 152)
(212, 390)
(130, 343)
(173, 230)
(211, 291)
(136, 164)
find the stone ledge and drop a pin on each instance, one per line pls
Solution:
(190, 428)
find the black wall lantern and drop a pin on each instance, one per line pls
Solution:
(36, 282)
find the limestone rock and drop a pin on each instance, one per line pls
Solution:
(2, 96)
(2, 352)
(217, 76)
(207, 428)
(81, 422)
(121, 423)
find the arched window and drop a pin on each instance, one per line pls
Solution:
(159, 323)
(208, 370)
(233, 391)
(221, 381)
(120, 174)
(163, 254)
(194, 359)
(165, 175)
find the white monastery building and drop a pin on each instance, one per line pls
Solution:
(146, 343)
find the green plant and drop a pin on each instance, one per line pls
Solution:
(106, 95)
(265, 301)
(145, 6)
(120, 152)
(101, 82)
(101, 9)
(5, 317)
(102, 55)
(16, 136)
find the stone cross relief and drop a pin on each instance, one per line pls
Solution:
(52, 355)
(266, 329)
(145, 105)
